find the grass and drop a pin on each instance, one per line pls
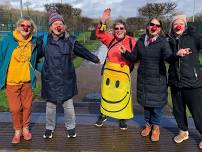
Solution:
(91, 45)
(3, 101)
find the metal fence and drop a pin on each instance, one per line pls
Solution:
(9, 19)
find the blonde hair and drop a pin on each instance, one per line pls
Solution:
(33, 25)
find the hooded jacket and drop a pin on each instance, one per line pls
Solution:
(186, 72)
(58, 73)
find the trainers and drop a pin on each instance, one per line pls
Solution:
(48, 134)
(71, 133)
(16, 137)
(183, 135)
(122, 124)
(146, 131)
(26, 134)
(101, 120)
(155, 133)
(200, 145)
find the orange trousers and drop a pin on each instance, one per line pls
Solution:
(20, 104)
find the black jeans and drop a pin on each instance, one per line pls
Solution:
(192, 98)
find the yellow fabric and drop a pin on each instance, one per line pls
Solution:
(116, 97)
(19, 67)
(103, 27)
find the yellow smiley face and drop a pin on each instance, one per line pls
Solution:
(116, 99)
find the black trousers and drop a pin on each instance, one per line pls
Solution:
(192, 98)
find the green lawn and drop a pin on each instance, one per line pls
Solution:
(91, 45)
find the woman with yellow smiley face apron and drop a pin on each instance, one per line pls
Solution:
(116, 98)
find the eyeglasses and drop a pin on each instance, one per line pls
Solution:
(152, 24)
(23, 25)
(119, 28)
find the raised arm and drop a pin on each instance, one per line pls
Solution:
(101, 34)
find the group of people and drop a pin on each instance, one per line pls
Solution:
(21, 54)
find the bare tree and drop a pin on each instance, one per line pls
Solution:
(157, 9)
(72, 17)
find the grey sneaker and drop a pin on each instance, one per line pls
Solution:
(48, 134)
(200, 145)
(71, 133)
(183, 135)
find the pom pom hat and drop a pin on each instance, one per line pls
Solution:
(53, 16)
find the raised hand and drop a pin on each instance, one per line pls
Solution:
(106, 15)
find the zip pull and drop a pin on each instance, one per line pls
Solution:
(195, 73)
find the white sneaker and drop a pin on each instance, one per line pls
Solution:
(200, 145)
(183, 135)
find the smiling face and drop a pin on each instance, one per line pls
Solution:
(57, 27)
(116, 91)
(25, 28)
(119, 31)
(154, 27)
(178, 27)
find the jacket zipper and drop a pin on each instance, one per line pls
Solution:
(195, 73)
(179, 60)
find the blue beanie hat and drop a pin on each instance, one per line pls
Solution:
(53, 16)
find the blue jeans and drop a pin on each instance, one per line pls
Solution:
(69, 115)
(152, 115)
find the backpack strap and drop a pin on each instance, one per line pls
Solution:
(130, 44)
(109, 46)
(45, 39)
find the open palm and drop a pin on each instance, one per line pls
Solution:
(106, 15)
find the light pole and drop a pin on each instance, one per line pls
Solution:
(21, 8)
(194, 10)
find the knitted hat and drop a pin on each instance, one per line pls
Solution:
(53, 16)
(180, 17)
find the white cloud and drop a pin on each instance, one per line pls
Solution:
(94, 8)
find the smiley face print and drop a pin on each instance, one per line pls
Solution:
(116, 98)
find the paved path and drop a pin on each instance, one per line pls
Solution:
(90, 138)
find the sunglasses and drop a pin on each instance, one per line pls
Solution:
(119, 28)
(152, 24)
(23, 25)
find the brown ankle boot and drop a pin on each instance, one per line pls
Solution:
(146, 131)
(155, 133)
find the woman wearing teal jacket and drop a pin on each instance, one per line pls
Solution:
(17, 66)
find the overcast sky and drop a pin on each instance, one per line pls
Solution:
(94, 8)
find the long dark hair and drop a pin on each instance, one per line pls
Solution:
(161, 24)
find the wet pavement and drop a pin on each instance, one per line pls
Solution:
(90, 138)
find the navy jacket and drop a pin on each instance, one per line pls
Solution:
(152, 77)
(58, 72)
